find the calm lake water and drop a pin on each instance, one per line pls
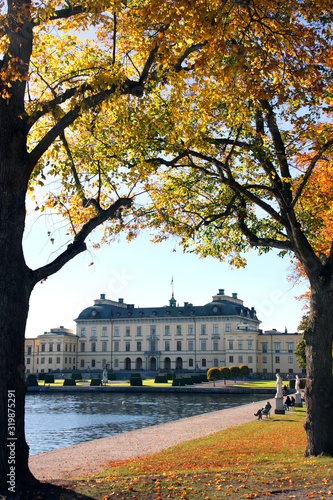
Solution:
(57, 420)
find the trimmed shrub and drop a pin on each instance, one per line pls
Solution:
(95, 382)
(203, 377)
(213, 374)
(161, 379)
(225, 373)
(292, 382)
(171, 376)
(77, 376)
(135, 375)
(244, 370)
(178, 382)
(49, 378)
(136, 381)
(188, 380)
(112, 376)
(32, 380)
(196, 379)
(41, 376)
(69, 382)
(235, 371)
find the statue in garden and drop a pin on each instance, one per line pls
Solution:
(278, 386)
(105, 376)
(297, 385)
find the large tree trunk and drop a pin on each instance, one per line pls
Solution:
(15, 290)
(319, 386)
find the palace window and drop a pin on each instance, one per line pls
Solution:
(83, 331)
(231, 345)
(116, 363)
(179, 330)
(167, 330)
(116, 346)
(29, 350)
(127, 346)
(104, 346)
(240, 345)
(82, 363)
(116, 331)
(215, 345)
(203, 330)
(139, 331)
(290, 346)
(43, 347)
(277, 346)
(58, 361)
(250, 359)
(216, 363)
(82, 347)
(228, 327)
(93, 331)
(138, 346)
(190, 345)
(179, 345)
(290, 360)
(152, 329)
(264, 347)
(203, 345)
(203, 363)
(231, 359)
(93, 363)
(240, 359)
(277, 359)
(215, 329)
(104, 331)
(50, 347)
(167, 345)
(264, 359)
(190, 329)
(93, 347)
(190, 363)
(250, 345)
(127, 331)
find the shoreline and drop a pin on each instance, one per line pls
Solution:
(91, 457)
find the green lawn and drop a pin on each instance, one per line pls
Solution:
(246, 461)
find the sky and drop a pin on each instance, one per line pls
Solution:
(140, 272)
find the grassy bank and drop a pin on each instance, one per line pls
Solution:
(260, 459)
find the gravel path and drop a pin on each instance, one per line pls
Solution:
(91, 457)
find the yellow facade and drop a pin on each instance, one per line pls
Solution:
(119, 336)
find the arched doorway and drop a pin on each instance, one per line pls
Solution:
(138, 364)
(167, 364)
(152, 363)
(179, 364)
(127, 364)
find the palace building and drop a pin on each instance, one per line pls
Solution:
(120, 336)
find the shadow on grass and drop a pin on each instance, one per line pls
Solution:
(48, 491)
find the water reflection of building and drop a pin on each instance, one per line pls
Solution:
(120, 336)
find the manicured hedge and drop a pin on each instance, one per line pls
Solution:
(136, 381)
(41, 376)
(77, 376)
(69, 382)
(49, 378)
(161, 379)
(112, 376)
(302, 382)
(95, 382)
(32, 380)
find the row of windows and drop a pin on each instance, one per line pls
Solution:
(42, 348)
(277, 347)
(85, 364)
(277, 359)
(240, 345)
(167, 331)
(50, 361)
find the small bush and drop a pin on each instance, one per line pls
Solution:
(32, 380)
(95, 382)
(69, 382)
(136, 381)
(213, 374)
(178, 382)
(135, 375)
(112, 376)
(225, 373)
(49, 378)
(161, 379)
(203, 377)
(235, 371)
(77, 376)
(41, 376)
(244, 370)
(171, 376)
(196, 379)
(302, 382)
